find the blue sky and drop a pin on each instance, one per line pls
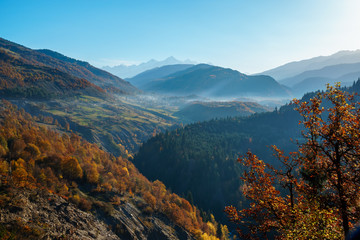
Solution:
(250, 36)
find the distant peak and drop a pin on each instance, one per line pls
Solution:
(171, 58)
(346, 52)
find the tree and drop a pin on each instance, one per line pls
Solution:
(315, 193)
(71, 168)
(332, 150)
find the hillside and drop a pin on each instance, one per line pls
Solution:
(75, 103)
(156, 74)
(294, 68)
(202, 111)
(211, 81)
(60, 186)
(116, 126)
(79, 69)
(19, 77)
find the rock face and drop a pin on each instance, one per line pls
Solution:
(136, 226)
(52, 217)
(56, 217)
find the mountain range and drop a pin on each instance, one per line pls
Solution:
(294, 68)
(314, 80)
(125, 71)
(211, 81)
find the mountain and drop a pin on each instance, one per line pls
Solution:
(132, 70)
(21, 76)
(156, 73)
(212, 81)
(202, 111)
(294, 68)
(59, 186)
(79, 69)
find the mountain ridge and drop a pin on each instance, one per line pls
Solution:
(213, 81)
(24, 78)
(296, 67)
(331, 71)
(68, 65)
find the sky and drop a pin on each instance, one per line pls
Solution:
(251, 36)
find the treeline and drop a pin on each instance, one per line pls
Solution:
(32, 156)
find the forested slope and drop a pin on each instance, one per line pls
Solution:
(201, 158)
(34, 158)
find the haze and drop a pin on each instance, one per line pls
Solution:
(250, 36)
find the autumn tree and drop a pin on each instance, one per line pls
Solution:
(71, 168)
(315, 193)
(332, 150)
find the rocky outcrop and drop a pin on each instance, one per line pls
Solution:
(53, 217)
(50, 216)
(137, 226)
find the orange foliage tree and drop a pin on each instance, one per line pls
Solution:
(316, 194)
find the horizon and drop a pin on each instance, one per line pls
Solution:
(248, 37)
(183, 60)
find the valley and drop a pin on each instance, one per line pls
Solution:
(152, 156)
